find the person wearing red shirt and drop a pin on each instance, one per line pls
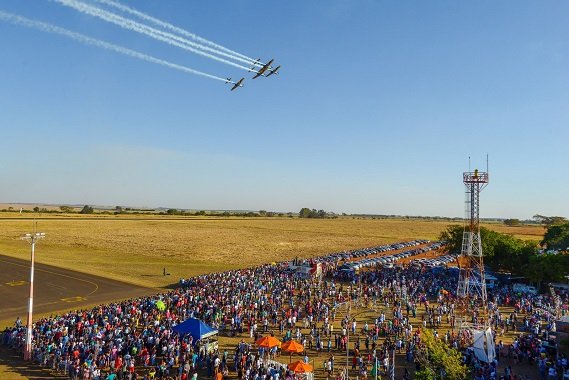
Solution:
(118, 363)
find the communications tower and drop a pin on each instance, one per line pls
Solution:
(471, 292)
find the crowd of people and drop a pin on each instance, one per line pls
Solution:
(133, 339)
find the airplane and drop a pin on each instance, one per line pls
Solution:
(261, 71)
(273, 71)
(256, 63)
(237, 84)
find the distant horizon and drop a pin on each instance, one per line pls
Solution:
(108, 207)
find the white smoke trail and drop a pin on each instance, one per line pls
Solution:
(49, 28)
(232, 55)
(140, 28)
(175, 29)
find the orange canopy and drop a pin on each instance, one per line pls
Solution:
(300, 367)
(292, 347)
(268, 342)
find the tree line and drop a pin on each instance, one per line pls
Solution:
(118, 210)
(305, 212)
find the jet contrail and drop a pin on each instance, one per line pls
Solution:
(49, 28)
(140, 28)
(174, 28)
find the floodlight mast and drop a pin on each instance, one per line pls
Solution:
(31, 238)
(471, 290)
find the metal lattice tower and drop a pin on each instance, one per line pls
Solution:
(471, 292)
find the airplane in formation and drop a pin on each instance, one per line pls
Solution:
(273, 71)
(266, 69)
(237, 84)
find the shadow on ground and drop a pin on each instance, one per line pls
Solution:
(12, 366)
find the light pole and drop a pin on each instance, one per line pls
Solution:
(31, 238)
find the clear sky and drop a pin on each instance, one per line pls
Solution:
(377, 108)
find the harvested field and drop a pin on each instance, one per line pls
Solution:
(136, 249)
(521, 232)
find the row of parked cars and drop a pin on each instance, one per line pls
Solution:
(365, 252)
(389, 260)
(386, 248)
(435, 262)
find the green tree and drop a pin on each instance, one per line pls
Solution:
(501, 251)
(66, 209)
(512, 222)
(547, 268)
(425, 374)
(36, 209)
(87, 210)
(549, 220)
(305, 212)
(438, 360)
(454, 234)
(557, 237)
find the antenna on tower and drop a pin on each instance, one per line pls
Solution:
(468, 163)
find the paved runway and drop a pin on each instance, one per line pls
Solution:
(55, 289)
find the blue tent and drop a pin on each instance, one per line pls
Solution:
(194, 327)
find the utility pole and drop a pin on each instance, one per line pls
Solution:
(31, 238)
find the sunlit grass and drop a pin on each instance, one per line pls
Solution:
(137, 249)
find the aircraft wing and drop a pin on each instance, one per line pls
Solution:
(237, 84)
(273, 71)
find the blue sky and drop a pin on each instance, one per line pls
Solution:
(377, 108)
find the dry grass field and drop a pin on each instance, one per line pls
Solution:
(136, 249)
